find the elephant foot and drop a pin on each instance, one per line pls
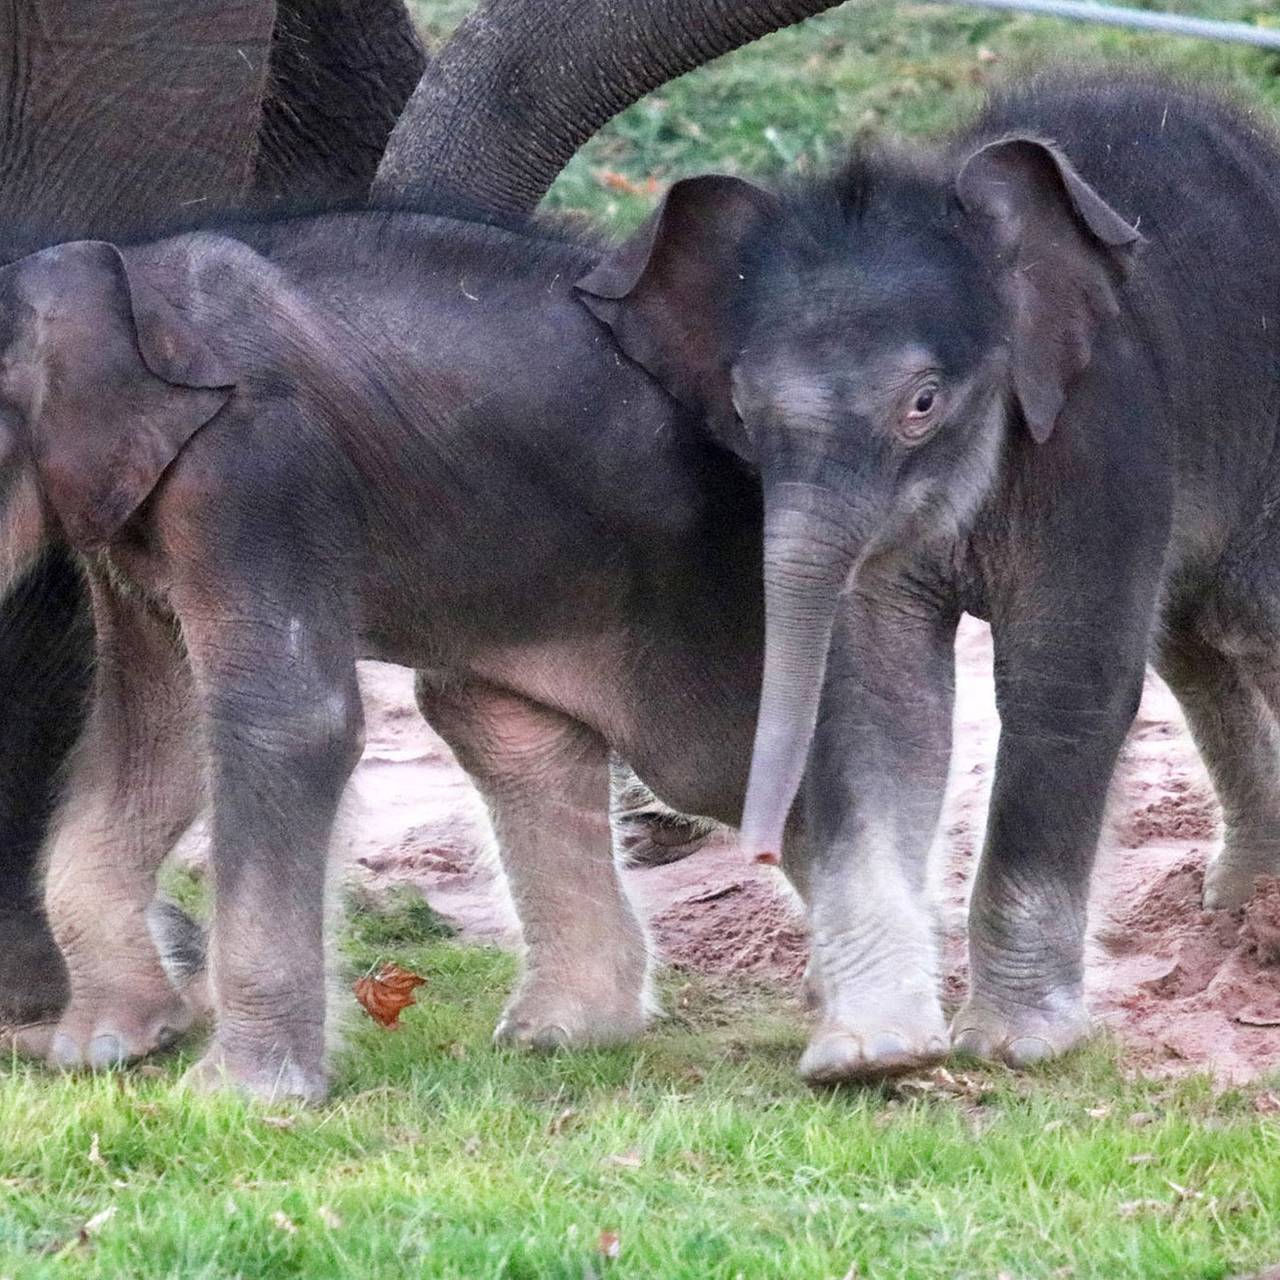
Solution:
(547, 1019)
(1230, 879)
(862, 1052)
(107, 1033)
(264, 1076)
(33, 977)
(1019, 1037)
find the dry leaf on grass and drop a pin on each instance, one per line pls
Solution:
(609, 1245)
(385, 995)
(85, 1236)
(562, 1121)
(328, 1218)
(96, 1223)
(282, 1222)
(95, 1154)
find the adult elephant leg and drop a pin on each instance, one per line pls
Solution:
(116, 117)
(119, 116)
(523, 84)
(545, 780)
(46, 651)
(1239, 740)
(1068, 680)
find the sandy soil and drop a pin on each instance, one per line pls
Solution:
(1182, 988)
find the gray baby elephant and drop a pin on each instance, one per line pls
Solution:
(1033, 375)
(367, 434)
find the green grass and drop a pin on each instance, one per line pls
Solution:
(442, 1157)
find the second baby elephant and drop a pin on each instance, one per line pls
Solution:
(282, 447)
(1024, 376)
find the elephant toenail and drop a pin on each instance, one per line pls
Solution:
(970, 1041)
(1025, 1051)
(886, 1045)
(105, 1051)
(548, 1039)
(63, 1051)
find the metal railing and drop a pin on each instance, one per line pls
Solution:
(1140, 19)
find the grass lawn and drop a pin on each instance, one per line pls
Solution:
(697, 1153)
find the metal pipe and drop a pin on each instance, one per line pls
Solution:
(1116, 16)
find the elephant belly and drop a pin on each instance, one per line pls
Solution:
(685, 726)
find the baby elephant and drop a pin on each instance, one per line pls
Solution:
(354, 438)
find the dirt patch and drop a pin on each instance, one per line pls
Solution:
(1211, 991)
(1182, 988)
(1184, 812)
(744, 927)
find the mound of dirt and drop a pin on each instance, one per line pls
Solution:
(1184, 812)
(744, 927)
(1212, 996)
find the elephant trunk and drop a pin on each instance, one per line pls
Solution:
(807, 560)
(522, 84)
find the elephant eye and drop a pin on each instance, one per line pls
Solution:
(923, 403)
(922, 412)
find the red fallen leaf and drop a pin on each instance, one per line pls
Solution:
(612, 180)
(609, 1245)
(385, 995)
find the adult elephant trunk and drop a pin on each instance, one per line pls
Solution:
(807, 560)
(523, 84)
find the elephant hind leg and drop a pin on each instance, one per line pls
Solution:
(135, 784)
(545, 779)
(1231, 705)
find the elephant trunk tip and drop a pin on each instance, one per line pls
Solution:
(761, 839)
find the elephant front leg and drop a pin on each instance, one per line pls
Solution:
(283, 724)
(1065, 710)
(873, 793)
(134, 785)
(545, 779)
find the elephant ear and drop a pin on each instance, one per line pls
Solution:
(112, 380)
(667, 293)
(1065, 254)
